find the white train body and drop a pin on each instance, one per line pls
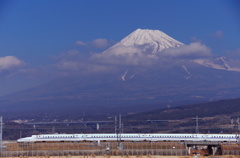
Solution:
(128, 137)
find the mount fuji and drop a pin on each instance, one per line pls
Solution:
(146, 70)
(149, 40)
(155, 43)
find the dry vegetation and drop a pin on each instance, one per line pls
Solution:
(123, 156)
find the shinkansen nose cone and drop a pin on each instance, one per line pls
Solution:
(25, 140)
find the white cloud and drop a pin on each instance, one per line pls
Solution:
(9, 62)
(100, 43)
(195, 39)
(119, 58)
(194, 50)
(80, 43)
(233, 54)
(127, 56)
(124, 57)
(97, 43)
(218, 34)
(68, 65)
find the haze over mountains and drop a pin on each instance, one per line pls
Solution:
(146, 70)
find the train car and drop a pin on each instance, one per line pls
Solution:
(128, 137)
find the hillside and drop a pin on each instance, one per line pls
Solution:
(214, 117)
(222, 107)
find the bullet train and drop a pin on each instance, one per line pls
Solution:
(128, 137)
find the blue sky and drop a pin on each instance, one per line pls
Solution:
(37, 33)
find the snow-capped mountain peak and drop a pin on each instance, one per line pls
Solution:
(153, 40)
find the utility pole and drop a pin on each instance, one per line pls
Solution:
(238, 124)
(1, 122)
(232, 121)
(53, 130)
(118, 130)
(120, 127)
(197, 128)
(115, 125)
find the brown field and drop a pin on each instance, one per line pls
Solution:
(127, 156)
(91, 146)
(111, 149)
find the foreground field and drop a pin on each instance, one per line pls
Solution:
(115, 149)
(126, 156)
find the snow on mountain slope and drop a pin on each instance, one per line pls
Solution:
(221, 63)
(149, 40)
(186, 70)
